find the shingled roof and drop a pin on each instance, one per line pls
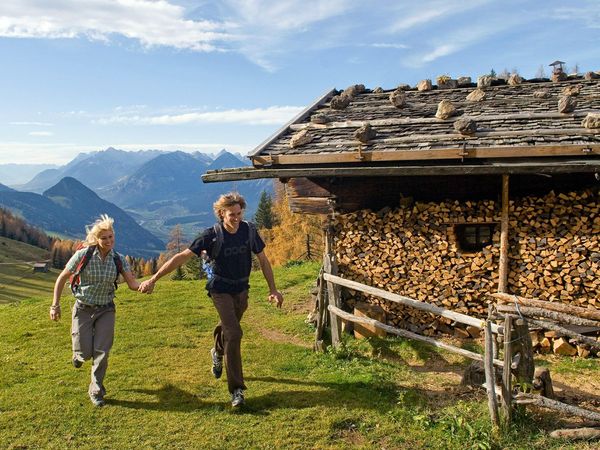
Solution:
(524, 123)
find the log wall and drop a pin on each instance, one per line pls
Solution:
(554, 254)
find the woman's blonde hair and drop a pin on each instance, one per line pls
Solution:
(227, 201)
(104, 223)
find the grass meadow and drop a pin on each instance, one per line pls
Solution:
(384, 393)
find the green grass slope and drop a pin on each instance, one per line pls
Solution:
(17, 280)
(372, 394)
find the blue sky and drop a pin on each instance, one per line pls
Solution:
(83, 75)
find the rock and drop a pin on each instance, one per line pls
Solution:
(398, 98)
(464, 81)
(592, 120)
(340, 102)
(484, 81)
(542, 382)
(445, 110)
(301, 138)
(447, 84)
(320, 118)
(572, 90)
(474, 332)
(465, 125)
(562, 347)
(365, 133)
(515, 79)
(461, 333)
(542, 93)
(403, 87)
(590, 76)
(424, 85)
(476, 96)
(566, 104)
(353, 90)
(378, 90)
(559, 76)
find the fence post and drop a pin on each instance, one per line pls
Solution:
(490, 372)
(333, 291)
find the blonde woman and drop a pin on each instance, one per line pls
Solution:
(93, 271)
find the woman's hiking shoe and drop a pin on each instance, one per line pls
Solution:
(97, 400)
(217, 363)
(237, 398)
(77, 362)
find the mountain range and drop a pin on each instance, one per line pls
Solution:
(67, 207)
(157, 189)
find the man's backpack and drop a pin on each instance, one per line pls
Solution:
(208, 259)
(75, 280)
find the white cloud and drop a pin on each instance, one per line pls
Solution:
(423, 12)
(41, 133)
(274, 115)
(588, 13)
(388, 45)
(151, 22)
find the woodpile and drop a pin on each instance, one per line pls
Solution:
(554, 255)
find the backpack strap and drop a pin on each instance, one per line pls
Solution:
(74, 279)
(217, 241)
(251, 234)
(119, 264)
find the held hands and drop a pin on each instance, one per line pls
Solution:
(276, 297)
(146, 287)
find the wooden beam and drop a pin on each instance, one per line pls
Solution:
(407, 334)
(503, 263)
(532, 311)
(407, 301)
(253, 173)
(585, 313)
(531, 399)
(348, 153)
(333, 291)
(506, 373)
(490, 374)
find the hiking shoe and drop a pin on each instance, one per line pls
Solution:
(217, 363)
(77, 362)
(97, 400)
(237, 398)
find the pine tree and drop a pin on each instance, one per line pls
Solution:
(264, 217)
(176, 242)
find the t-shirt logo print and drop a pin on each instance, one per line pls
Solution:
(235, 251)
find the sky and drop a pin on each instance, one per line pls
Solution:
(84, 75)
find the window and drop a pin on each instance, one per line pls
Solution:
(472, 237)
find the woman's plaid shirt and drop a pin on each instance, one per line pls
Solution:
(97, 279)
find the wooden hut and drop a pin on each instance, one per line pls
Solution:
(445, 193)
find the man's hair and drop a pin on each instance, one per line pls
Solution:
(227, 201)
(104, 223)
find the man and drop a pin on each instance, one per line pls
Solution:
(228, 284)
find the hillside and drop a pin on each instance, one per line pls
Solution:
(17, 280)
(69, 206)
(385, 393)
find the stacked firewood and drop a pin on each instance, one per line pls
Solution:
(554, 249)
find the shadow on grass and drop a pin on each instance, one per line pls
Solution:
(352, 394)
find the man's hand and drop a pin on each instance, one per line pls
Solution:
(146, 287)
(55, 312)
(276, 297)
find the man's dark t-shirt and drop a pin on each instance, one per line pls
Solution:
(234, 261)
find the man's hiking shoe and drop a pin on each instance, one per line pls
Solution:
(237, 398)
(77, 362)
(217, 363)
(97, 400)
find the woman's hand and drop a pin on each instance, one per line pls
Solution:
(55, 312)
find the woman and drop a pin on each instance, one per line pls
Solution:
(93, 285)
